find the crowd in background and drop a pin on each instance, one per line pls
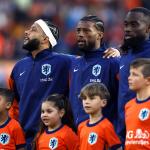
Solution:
(17, 15)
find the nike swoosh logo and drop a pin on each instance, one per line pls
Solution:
(22, 73)
(75, 70)
(121, 66)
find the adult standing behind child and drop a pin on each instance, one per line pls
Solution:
(54, 133)
(11, 133)
(93, 67)
(97, 133)
(136, 45)
(41, 73)
(38, 75)
(137, 110)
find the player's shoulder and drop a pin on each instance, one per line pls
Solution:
(14, 123)
(114, 60)
(22, 62)
(60, 57)
(67, 129)
(130, 103)
(82, 124)
(63, 55)
(105, 124)
(77, 59)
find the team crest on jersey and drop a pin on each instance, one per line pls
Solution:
(96, 70)
(53, 143)
(92, 139)
(4, 138)
(46, 69)
(144, 114)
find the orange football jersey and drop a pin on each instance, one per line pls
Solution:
(137, 119)
(97, 136)
(11, 135)
(62, 138)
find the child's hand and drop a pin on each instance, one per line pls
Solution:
(111, 52)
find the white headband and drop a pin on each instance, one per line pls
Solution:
(47, 31)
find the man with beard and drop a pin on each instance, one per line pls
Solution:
(38, 75)
(136, 45)
(41, 73)
(92, 67)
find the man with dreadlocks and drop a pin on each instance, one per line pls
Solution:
(92, 67)
(38, 75)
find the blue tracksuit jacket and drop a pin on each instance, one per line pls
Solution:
(93, 68)
(124, 93)
(33, 80)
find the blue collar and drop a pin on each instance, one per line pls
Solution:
(94, 124)
(50, 132)
(94, 53)
(142, 101)
(144, 45)
(44, 53)
(5, 123)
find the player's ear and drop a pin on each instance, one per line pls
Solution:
(45, 40)
(104, 102)
(148, 80)
(100, 35)
(61, 113)
(8, 105)
(148, 28)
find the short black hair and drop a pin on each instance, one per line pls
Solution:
(144, 63)
(144, 11)
(54, 29)
(7, 94)
(99, 24)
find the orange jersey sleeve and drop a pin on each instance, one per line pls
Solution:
(110, 135)
(11, 135)
(18, 133)
(71, 140)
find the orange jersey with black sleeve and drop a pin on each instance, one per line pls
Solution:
(137, 119)
(62, 138)
(98, 136)
(11, 135)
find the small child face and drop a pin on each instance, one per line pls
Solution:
(136, 79)
(50, 114)
(4, 105)
(93, 104)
